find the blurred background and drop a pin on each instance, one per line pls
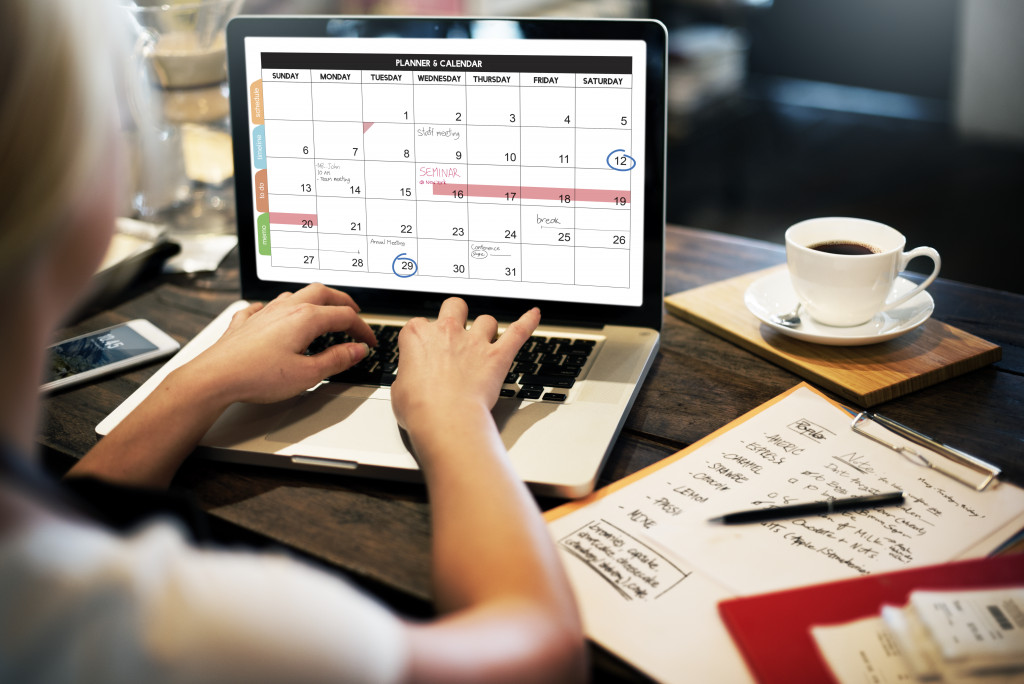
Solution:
(910, 113)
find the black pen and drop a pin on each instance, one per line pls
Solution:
(816, 508)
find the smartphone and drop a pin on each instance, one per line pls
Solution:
(93, 355)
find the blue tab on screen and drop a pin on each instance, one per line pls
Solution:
(259, 148)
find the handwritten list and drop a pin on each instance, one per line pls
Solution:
(649, 569)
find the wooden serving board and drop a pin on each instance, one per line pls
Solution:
(868, 375)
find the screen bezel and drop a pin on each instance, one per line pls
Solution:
(654, 35)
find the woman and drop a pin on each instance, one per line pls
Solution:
(79, 602)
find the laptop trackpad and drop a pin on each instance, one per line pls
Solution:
(325, 423)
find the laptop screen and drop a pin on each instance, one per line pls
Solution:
(451, 157)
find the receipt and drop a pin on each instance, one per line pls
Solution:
(985, 628)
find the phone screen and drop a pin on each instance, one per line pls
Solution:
(93, 351)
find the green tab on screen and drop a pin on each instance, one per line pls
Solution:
(263, 226)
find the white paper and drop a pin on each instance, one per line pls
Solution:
(863, 652)
(201, 252)
(986, 625)
(664, 619)
(654, 612)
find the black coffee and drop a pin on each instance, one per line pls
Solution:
(844, 247)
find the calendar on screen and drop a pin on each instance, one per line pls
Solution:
(479, 167)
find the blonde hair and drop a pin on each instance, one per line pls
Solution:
(57, 103)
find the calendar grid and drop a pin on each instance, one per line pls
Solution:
(503, 205)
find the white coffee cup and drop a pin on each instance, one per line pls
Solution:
(849, 289)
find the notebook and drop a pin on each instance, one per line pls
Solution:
(510, 162)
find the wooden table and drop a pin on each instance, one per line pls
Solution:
(378, 532)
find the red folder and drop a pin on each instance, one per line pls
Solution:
(773, 630)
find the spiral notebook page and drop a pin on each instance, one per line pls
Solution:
(649, 570)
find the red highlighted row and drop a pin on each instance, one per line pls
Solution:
(512, 192)
(284, 218)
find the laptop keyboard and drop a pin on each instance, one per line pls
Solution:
(545, 368)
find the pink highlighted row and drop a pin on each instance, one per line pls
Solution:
(565, 195)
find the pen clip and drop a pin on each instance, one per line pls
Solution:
(928, 452)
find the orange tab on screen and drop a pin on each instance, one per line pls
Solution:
(256, 101)
(262, 201)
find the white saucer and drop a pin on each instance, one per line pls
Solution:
(773, 295)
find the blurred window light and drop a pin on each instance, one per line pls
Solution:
(457, 31)
(496, 30)
(844, 98)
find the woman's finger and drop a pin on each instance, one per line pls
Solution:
(454, 308)
(339, 357)
(325, 319)
(484, 326)
(519, 331)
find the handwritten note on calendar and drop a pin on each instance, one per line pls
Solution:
(649, 569)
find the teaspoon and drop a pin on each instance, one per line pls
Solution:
(790, 319)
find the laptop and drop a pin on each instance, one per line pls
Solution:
(511, 162)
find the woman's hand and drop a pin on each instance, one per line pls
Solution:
(444, 367)
(260, 358)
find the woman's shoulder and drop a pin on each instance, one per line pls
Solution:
(45, 545)
(153, 595)
(59, 580)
